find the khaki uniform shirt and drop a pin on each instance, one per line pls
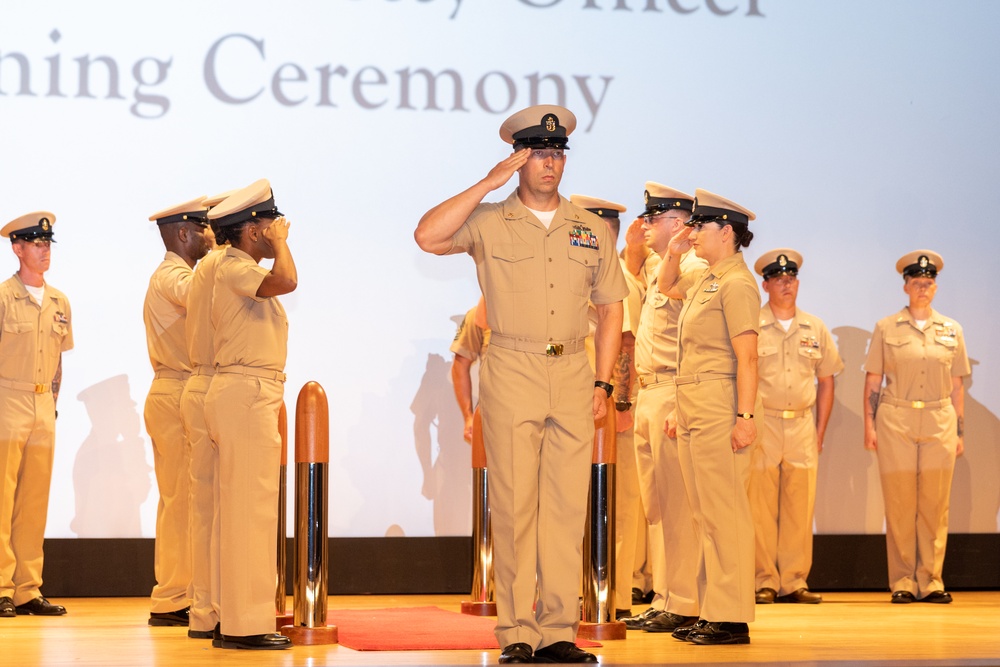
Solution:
(32, 336)
(656, 340)
(720, 304)
(164, 313)
(537, 281)
(249, 330)
(198, 326)
(470, 341)
(790, 361)
(918, 365)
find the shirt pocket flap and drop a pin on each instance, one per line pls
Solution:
(897, 342)
(810, 352)
(512, 252)
(585, 256)
(766, 350)
(18, 327)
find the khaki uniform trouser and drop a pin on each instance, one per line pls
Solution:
(538, 428)
(242, 415)
(716, 478)
(782, 497)
(668, 508)
(204, 524)
(627, 518)
(172, 462)
(27, 443)
(916, 459)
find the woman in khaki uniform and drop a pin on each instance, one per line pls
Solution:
(716, 397)
(241, 409)
(916, 427)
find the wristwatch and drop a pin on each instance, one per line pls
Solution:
(606, 386)
(744, 415)
(623, 406)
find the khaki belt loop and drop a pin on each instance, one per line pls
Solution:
(202, 369)
(26, 386)
(170, 374)
(251, 370)
(916, 405)
(548, 348)
(661, 377)
(787, 414)
(703, 377)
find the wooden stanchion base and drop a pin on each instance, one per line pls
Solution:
(599, 631)
(310, 636)
(479, 608)
(281, 620)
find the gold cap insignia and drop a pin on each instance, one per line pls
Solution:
(645, 196)
(550, 123)
(44, 222)
(923, 261)
(782, 260)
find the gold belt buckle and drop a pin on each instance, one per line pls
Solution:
(40, 388)
(917, 404)
(553, 350)
(642, 381)
(788, 414)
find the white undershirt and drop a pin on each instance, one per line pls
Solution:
(545, 217)
(38, 293)
(786, 324)
(920, 324)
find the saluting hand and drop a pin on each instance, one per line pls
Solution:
(277, 230)
(680, 242)
(501, 173)
(634, 235)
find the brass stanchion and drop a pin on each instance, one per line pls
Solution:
(280, 598)
(482, 602)
(312, 459)
(599, 538)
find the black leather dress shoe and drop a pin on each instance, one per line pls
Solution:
(635, 622)
(684, 632)
(903, 597)
(766, 595)
(937, 597)
(266, 642)
(515, 653)
(7, 608)
(40, 607)
(563, 652)
(163, 619)
(638, 597)
(667, 622)
(217, 636)
(204, 634)
(622, 613)
(801, 596)
(721, 633)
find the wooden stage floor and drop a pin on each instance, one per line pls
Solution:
(846, 629)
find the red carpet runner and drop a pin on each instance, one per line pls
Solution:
(415, 629)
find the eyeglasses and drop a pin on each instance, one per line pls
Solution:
(656, 218)
(783, 279)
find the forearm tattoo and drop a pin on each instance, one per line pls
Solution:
(873, 402)
(57, 381)
(622, 378)
(961, 427)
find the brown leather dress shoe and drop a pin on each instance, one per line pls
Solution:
(801, 596)
(766, 595)
(721, 633)
(515, 653)
(563, 652)
(40, 607)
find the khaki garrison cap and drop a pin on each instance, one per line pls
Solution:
(193, 210)
(710, 207)
(31, 226)
(779, 260)
(252, 202)
(602, 208)
(542, 126)
(660, 199)
(920, 264)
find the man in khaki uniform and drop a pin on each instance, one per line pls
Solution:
(916, 424)
(797, 360)
(469, 346)
(539, 258)
(182, 229)
(673, 543)
(242, 407)
(35, 329)
(204, 615)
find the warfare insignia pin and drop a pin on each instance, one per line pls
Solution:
(714, 287)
